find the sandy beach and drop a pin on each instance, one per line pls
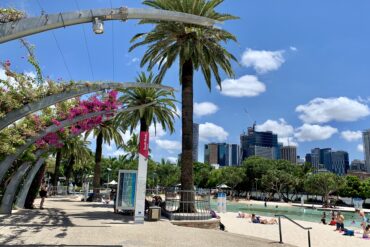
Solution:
(321, 235)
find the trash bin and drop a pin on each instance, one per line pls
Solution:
(154, 213)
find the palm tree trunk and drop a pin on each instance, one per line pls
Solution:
(187, 180)
(68, 171)
(58, 160)
(97, 168)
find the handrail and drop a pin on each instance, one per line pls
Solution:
(304, 228)
(286, 217)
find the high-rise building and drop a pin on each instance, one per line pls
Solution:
(366, 142)
(289, 153)
(334, 161)
(222, 154)
(339, 162)
(358, 165)
(308, 158)
(233, 155)
(195, 141)
(258, 143)
(211, 153)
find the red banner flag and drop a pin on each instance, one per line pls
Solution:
(144, 144)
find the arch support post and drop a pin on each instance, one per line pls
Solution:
(8, 198)
(22, 194)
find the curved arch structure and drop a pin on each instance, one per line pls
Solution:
(80, 89)
(8, 198)
(28, 26)
(8, 161)
(22, 194)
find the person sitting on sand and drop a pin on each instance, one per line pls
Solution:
(243, 215)
(255, 219)
(366, 232)
(214, 215)
(332, 222)
(258, 220)
(240, 215)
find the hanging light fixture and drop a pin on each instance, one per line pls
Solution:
(98, 26)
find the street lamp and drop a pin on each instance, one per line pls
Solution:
(98, 26)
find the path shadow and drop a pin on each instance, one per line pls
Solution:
(25, 221)
(104, 216)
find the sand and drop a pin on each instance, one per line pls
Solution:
(321, 235)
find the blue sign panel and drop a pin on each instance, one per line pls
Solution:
(126, 189)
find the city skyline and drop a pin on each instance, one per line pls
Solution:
(293, 78)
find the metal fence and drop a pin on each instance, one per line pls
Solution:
(187, 204)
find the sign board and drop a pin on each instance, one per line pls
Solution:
(141, 177)
(126, 189)
(221, 202)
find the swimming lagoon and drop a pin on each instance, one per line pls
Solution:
(295, 213)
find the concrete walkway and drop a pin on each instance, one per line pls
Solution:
(69, 222)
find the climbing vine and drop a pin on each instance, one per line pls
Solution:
(11, 14)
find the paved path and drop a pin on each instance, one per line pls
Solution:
(69, 222)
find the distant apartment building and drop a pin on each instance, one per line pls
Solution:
(366, 142)
(259, 143)
(195, 141)
(358, 165)
(339, 162)
(211, 153)
(233, 155)
(222, 154)
(289, 153)
(325, 158)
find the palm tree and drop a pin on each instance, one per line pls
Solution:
(162, 111)
(77, 151)
(105, 133)
(131, 147)
(195, 48)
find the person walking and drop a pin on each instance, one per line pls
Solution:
(43, 193)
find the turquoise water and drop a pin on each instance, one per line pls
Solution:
(295, 213)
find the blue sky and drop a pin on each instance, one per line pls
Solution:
(303, 70)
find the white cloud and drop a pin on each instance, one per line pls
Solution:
(30, 74)
(263, 61)
(108, 148)
(118, 152)
(171, 159)
(90, 138)
(288, 141)
(155, 133)
(308, 132)
(134, 60)
(212, 132)
(320, 110)
(2, 74)
(351, 135)
(282, 128)
(169, 145)
(293, 48)
(205, 108)
(360, 148)
(245, 86)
